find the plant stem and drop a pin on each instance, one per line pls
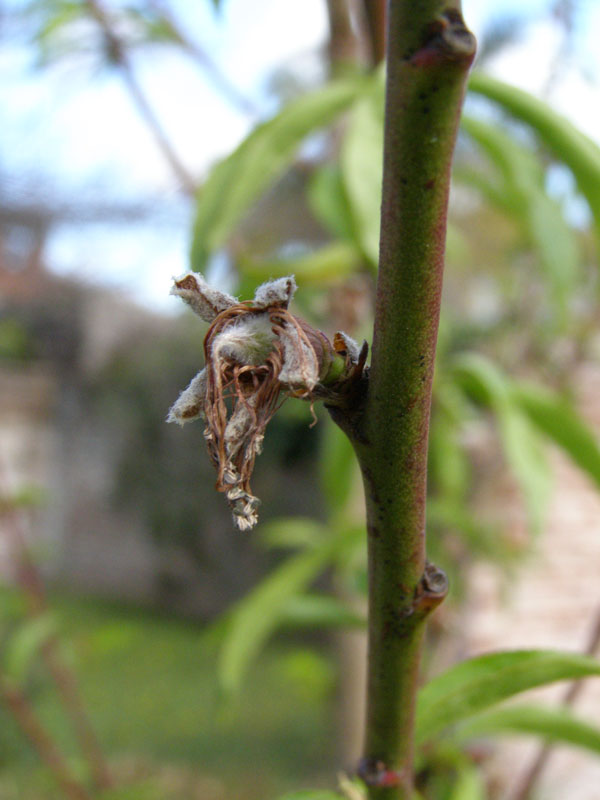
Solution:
(428, 58)
(45, 747)
(31, 583)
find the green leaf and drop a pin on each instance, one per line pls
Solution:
(293, 532)
(263, 610)
(25, 643)
(554, 725)
(475, 685)
(483, 381)
(556, 418)
(362, 168)
(469, 786)
(328, 201)
(238, 181)
(311, 795)
(320, 611)
(331, 262)
(567, 143)
(524, 196)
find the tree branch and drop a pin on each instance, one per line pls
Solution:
(429, 55)
(117, 53)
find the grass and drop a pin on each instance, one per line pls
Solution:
(150, 688)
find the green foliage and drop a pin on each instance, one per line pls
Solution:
(522, 194)
(469, 786)
(557, 419)
(238, 180)
(476, 684)
(266, 607)
(361, 162)
(311, 795)
(324, 265)
(24, 644)
(522, 446)
(550, 724)
(568, 144)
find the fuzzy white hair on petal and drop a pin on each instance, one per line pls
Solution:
(203, 299)
(350, 345)
(190, 403)
(276, 293)
(300, 366)
(248, 340)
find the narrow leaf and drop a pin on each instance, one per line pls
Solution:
(567, 143)
(477, 684)
(556, 418)
(328, 201)
(25, 644)
(362, 168)
(524, 196)
(235, 183)
(293, 532)
(556, 725)
(483, 381)
(311, 795)
(320, 611)
(469, 785)
(263, 610)
(330, 262)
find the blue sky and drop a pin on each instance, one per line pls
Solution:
(75, 130)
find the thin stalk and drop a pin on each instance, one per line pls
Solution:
(29, 723)
(31, 583)
(428, 58)
(375, 18)
(527, 784)
(119, 56)
(219, 80)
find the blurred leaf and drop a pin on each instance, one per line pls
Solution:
(311, 795)
(263, 610)
(362, 168)
(236, 182)
(556, 725)
(335, 260)
(567, 143)
(293, 532)
(561, 423)
(483, 381)
(477, 684)
(25, 643)
(469, 786)
(140, 791)
(328, 201)
(320, 611)
(526, 199)
(337, 467)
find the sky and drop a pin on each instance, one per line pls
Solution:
(72, 130)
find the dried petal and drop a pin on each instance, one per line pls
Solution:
(190, 403)
(203, 299)
(346, 345)
(300, 364)
(275, 293)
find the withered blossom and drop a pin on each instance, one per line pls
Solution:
(256, 354)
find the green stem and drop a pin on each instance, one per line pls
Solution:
(428, 58)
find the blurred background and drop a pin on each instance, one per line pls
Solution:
(122, 581)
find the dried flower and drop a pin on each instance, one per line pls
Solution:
(257, 353)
